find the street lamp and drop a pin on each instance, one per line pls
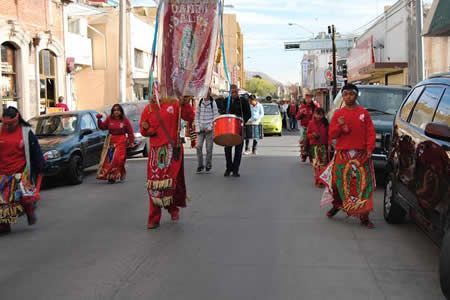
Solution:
(302, 27)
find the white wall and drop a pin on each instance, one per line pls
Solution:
(141, 37)
(392, 33)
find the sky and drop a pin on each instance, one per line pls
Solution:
(264, 24)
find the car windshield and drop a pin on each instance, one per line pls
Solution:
(54, 125)
(271, 110)
(386, 101)
(382, 100)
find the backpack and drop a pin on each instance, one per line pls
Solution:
(211, 102)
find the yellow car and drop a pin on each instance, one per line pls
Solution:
(272, 121)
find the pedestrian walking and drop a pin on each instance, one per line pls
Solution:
(114, 154)
(240, 108)
(165, 166)
(205, 114)
(350, 178)
(253, 127)
(61, 104)
(292, 113)
(317, 134)
(283, 109)
(304, 115)
(21, 163)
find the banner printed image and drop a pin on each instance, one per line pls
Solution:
(188, 33)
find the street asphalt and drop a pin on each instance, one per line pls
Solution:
(261, 236)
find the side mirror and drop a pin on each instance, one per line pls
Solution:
(438, 131)
(85, 132)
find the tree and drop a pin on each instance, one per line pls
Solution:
(260, 87)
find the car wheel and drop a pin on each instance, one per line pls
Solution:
(393, 212)
(145, 151)
(444, 265)
(75, 171)
(280, 134)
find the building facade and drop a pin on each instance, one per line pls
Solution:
(33, 61)
(387, 52)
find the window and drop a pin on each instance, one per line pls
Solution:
(8, 88)
(138, 59)
(443, 110)
(47, 63)
(409, 104)
(74, 26)
(87, 122)
(47, 83)
(425, 107)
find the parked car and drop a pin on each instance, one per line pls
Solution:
(70, 141)
(133, 111)
(419, 166)
(272, 121)
(382, 102)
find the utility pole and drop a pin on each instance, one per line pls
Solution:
(122, 51)
(332, 33)
(420, 57)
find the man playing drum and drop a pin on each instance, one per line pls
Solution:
(253, 128)
(240, 108)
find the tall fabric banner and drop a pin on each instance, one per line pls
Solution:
(186, 48)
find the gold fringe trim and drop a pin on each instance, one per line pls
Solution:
(158, 185)
(163, 202)
(10, 214)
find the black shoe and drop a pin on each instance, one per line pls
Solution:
(332, 212)
(236, 174)
(208, 169)
(31, 218)
(227, 173)
(199, 170)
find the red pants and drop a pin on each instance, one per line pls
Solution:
(154, 215)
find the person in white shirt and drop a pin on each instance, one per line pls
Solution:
(257, 111)
(204, 117)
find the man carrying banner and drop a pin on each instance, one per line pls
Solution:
(165, 171)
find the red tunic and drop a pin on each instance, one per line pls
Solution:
(358, 132)
(319, 128)
(169, 115)
(305, 114)
(117, 127)
(12, 151)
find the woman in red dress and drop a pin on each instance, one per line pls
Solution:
(165, 171)
(305, 115)
(114, 155)
(21, 162)
(317, 134)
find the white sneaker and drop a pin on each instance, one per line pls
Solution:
(246, 152)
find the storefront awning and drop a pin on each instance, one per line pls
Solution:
(377, 70)
(383, 68)
(437, 23)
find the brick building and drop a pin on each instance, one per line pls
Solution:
(32, 54)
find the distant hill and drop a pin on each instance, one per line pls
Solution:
(251, 74)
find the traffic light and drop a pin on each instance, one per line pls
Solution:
(344, 71)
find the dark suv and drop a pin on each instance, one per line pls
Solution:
(382, 102)
(419, 166)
